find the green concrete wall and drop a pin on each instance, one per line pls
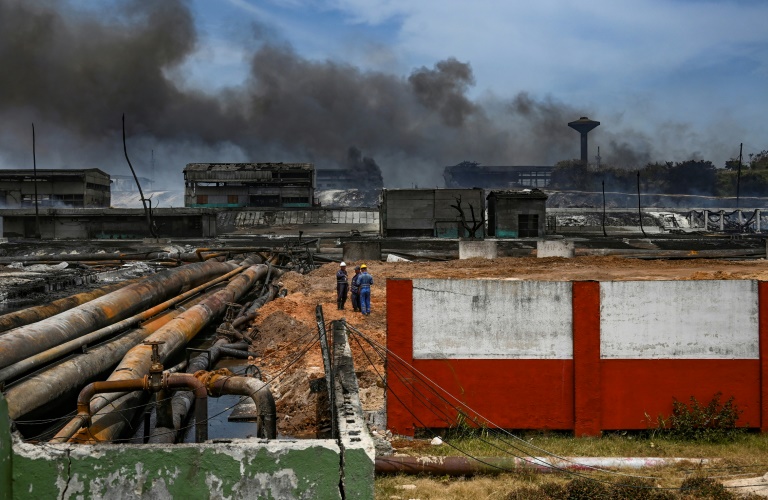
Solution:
(6, 451)
(233, 470)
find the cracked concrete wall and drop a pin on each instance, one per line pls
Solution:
(236, 469)
(358, 449)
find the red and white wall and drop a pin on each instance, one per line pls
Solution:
(587, 356)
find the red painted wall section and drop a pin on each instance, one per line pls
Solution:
(508, 393)
(633, 387)
(762, 293)
(400, 353)
(586, 358)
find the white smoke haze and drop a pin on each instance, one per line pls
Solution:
(73, 73)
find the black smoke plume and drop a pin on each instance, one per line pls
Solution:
(74, 72)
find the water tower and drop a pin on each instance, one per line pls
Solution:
(583, 125)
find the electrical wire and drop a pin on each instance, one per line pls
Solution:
(378, 348)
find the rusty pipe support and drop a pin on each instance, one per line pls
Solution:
(167, 381)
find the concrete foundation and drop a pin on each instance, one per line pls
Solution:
(484, 249)
(555, 248)
(357, 251)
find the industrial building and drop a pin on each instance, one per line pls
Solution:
(55, 188)
(232, 185)
(517, 214)
(469, 174)
(430, 212)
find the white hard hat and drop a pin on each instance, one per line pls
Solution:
(343, 264)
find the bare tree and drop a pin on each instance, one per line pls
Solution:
(471, 228)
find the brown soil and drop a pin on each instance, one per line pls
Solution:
(287, 325)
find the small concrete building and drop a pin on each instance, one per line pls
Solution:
(429, 212)
(56, 188)
(517, 214)
(231, 185)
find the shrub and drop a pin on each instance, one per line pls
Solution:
(713, 422)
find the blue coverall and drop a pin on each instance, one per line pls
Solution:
(365, 280)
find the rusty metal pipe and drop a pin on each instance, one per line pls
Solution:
(61, 378)
(63, 327)
(33, 314)
(177, 333)
(39, 359)
(259, 392)
(168, 381)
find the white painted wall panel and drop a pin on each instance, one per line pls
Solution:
(699, 319)
(502, 319)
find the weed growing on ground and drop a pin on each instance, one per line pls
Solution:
(714, 422)
(704, 487)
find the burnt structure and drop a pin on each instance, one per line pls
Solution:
(429, 212)
(583, 125)
(469, 174)
(56, 188)
(345, 178)
(517, 214)
(232, 185)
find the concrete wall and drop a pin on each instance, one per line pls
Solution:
(238, 469)
(555, 248)
(428, 212)
(584, 356)
(485, 249)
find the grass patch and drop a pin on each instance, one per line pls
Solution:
(745, 453)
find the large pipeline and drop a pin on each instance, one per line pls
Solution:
(31, 339)
(174, 336)
(31, 362)
(44, 387)
(38, 313)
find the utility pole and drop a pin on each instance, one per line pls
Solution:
(738, 176)
(34, 181)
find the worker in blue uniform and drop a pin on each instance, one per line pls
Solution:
(354, 290)
(365, 280)
(341, 286)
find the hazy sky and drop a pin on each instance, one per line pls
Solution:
(416, 84)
